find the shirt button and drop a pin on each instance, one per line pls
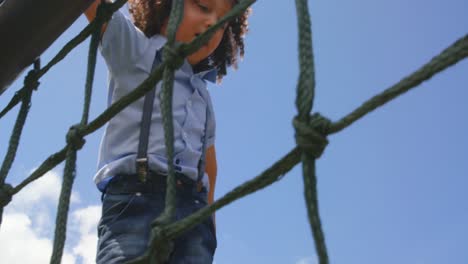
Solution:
(184, 135)
(189, 103)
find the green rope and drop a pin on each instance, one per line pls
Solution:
(51, 162)
(31, 84)
(306, 83)
(19, 95)
(6, 191)
(15, 137)
(75, 142)
(162, 252)
(266, 178)
(63, 206)
(450, 56)
(304, 103)
(177, 12)
(94, 43)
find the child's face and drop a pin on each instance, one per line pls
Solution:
(199, 15)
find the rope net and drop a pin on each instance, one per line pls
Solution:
(311, 128)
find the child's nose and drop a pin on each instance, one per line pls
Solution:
(211, 19)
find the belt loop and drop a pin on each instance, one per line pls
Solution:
(142, 168)
(199, 185)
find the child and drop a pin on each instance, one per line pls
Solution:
(129, 50)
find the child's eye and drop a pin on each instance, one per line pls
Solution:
(202, 6)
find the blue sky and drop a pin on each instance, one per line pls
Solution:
(391, 186)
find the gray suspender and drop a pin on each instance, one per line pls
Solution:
(142, 155)
(201, 162)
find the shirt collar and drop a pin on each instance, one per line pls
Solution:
(208, 75)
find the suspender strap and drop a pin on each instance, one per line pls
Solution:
(202, 161)
(142, 155)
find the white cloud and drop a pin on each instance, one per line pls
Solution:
(21, 244)
(46, 189)
(87, 220)
(38, 199)
(28, 224)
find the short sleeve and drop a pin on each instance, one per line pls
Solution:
(211, 128)
(122, 43)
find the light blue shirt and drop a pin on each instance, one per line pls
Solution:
(129, 56)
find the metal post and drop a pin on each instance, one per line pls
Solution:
(28, 28)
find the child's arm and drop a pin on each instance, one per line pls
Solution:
(211, 170)
(90, 13)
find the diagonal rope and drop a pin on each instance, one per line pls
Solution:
(448, 57)
(266, 178)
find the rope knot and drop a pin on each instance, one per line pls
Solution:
(164, 246)
(6, 191)
(174, 59)
(75, 138)
(311, 136)
(31, 81)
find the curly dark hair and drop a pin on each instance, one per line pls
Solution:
(149, 16)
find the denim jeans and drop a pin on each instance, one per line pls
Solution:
(130, 206)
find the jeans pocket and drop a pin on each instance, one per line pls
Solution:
(114, 206)
(208, 222)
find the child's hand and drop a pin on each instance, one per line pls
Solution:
(90, 13)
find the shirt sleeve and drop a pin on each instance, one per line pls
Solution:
(122, 43)
(211, 128)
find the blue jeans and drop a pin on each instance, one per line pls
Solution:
(130, 206)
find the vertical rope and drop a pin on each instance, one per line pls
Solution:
(164, 246)
(304, 103)
(167, 90)
(31, 83)
(90, 75)
(63, 206)
(74, 143)
(15, 136)
(306, 83)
